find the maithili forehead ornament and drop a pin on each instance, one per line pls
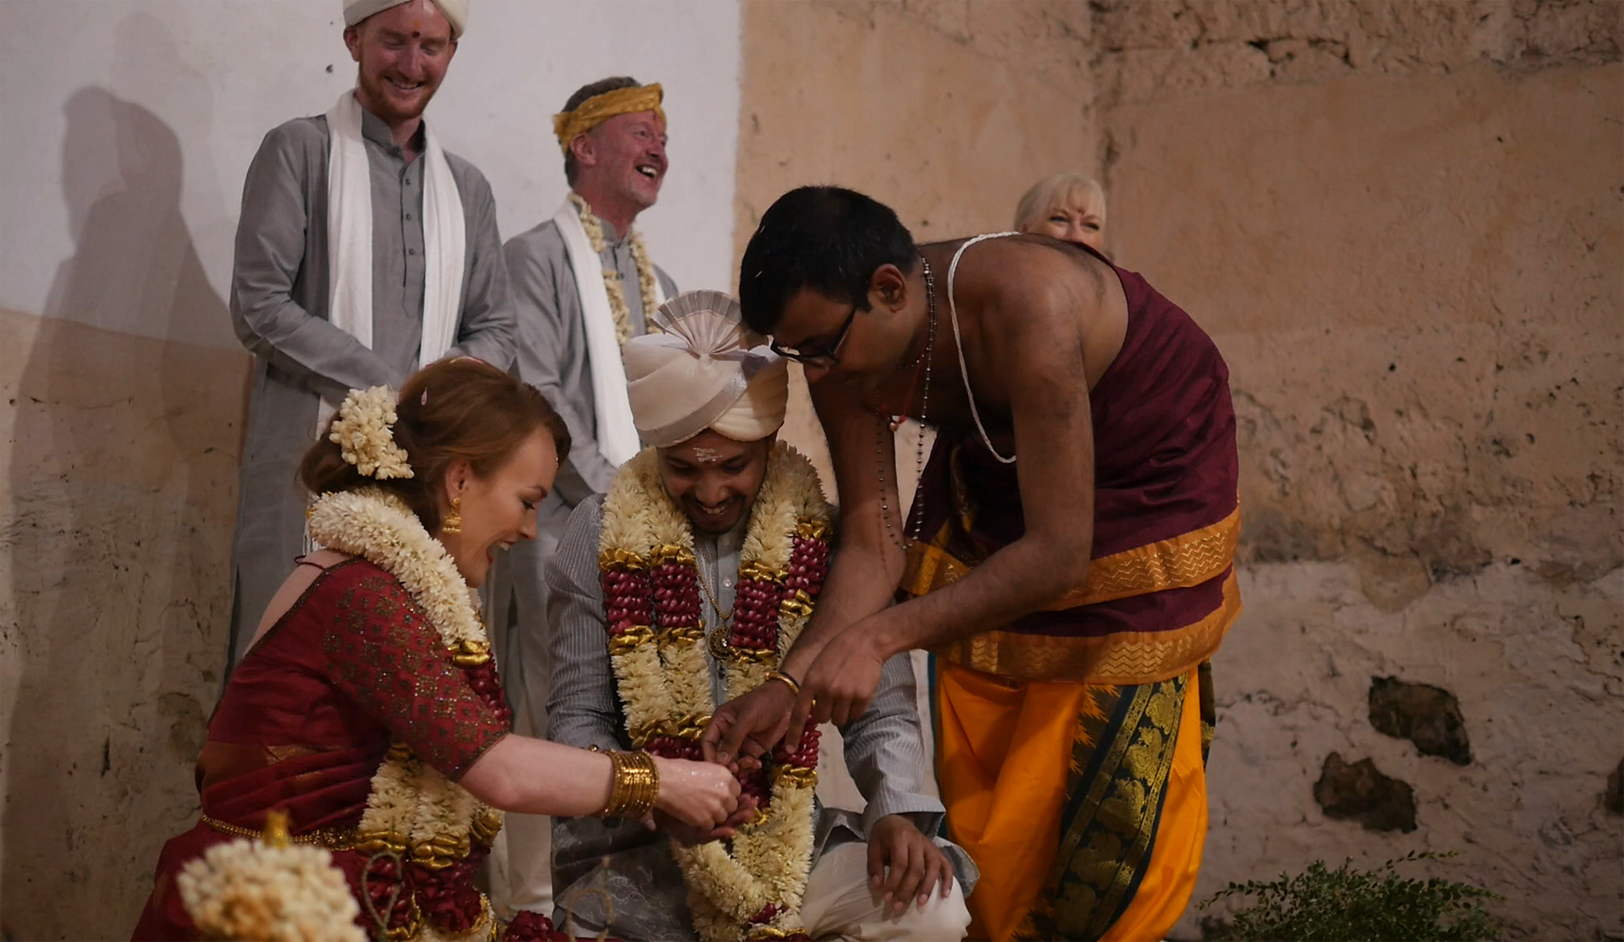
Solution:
(707, 455)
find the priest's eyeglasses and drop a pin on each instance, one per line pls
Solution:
(822, 355)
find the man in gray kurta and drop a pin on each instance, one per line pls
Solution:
(710, 402)
(612, 133)
(283, 274)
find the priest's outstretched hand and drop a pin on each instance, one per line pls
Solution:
(842, 679)
(749, 725)
(837, 688)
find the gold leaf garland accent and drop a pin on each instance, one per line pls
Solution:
(664, 686)
(611, 278)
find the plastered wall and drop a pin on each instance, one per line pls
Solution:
(1404, 225)
(125, 131)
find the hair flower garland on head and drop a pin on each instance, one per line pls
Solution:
(363, 430)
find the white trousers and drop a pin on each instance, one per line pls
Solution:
(840, 904)
(520, 867)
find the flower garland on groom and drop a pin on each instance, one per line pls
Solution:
(645, 622)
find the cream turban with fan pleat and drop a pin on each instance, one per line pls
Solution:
(706, 371)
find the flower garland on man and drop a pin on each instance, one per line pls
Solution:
(583, 284)
(679, 589)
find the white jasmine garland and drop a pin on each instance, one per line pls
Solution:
(245, 889)
(611, 279)
(665, 678)
(411, 807)
(363, 431)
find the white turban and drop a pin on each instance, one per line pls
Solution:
(455, 10)
(707, 371)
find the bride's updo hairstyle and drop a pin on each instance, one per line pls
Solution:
(448, 410)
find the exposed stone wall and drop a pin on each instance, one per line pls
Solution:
(1404, 225)
(115, 532)
(1151, 51)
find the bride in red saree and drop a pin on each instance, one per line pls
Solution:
(369, 708)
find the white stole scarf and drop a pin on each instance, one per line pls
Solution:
(349, 238)
(617, 433)
(349, 241)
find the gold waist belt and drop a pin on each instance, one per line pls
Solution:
(330, 838)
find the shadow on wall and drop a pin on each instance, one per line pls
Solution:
(122, 477)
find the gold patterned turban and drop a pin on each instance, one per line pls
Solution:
(707, 371)
(596, 110)
(456, 11)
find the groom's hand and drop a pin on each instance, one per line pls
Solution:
(904, 865)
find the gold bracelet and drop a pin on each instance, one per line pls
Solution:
(789, 681)
(636, 785)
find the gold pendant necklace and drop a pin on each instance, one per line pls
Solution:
(717, 639)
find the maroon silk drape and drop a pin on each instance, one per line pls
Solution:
(307, 718)
(1160, 591)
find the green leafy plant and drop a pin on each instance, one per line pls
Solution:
(1348, 905)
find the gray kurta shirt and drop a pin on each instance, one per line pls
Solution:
(280, 288)
(884, 748)
(552, 356)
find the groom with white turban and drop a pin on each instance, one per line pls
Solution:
(364, 251)
(709, 398)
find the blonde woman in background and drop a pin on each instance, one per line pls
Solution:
(1068, 206)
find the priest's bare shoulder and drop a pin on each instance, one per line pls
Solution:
(1000, 338)
(1084, 426)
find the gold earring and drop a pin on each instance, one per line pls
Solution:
(453, 520)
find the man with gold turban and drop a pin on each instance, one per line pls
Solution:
(676, 590)
(364, 251)
(582, 285)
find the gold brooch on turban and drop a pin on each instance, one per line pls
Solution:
(600, 108)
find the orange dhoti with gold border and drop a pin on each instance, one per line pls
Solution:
(1085, 807)
(1072, 766)
(1071, 742)
(1071, 746)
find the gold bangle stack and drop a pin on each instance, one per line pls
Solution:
(787, 680)
(636, 785)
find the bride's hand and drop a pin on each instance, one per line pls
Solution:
(699, 793)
